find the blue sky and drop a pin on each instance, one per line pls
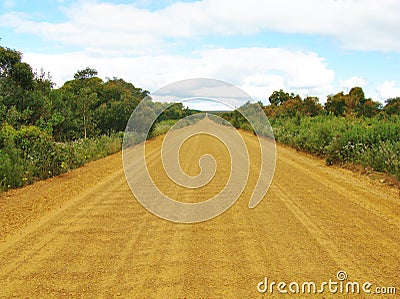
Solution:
(308, 47)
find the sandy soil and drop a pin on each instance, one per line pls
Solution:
(84, 235)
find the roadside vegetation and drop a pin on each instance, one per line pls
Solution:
(46, 131)
(348, 130)
(163, 126)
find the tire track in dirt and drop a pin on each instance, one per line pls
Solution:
(49, 238)
(39, 241)
(375, 200)
(346, 220)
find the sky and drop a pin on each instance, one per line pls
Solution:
(308, 47)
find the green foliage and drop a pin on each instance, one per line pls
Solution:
(311, 107)
(23, 76)
(367, 136)
(336, 104)
(163, 126)
(353, 103)
(392, 106)
(45, 131)
(289, 105)
(235, 118)
(29, 154)
(11, 168)
(87, 73)
(349, 128)
(371, 142)
(8, 58)
(240, 119)
(279, 97)
(23, 93)
(117, 102)
(91, 107)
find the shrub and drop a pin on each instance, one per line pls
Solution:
(29, 154)
(372, 142)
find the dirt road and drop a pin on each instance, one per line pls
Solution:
(83, 235)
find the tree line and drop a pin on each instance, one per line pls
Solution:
(45, 131)
(348, 129)
(83, 107)
(354, 104)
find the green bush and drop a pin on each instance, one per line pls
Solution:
(30, 154)
(163, 126)
(11, 164)
(370, 142)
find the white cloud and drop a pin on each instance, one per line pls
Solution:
(258, 71)
(261, 86)
(388, 89)
(124, 28)
(353, 82)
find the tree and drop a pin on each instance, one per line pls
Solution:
(23, 76)
(278, 97)
(86, 73)
(117, 102)
(311, 106)
(354, 100)
(392, 106)
(369, 108)
(291, 107)
(8, 58)
(3, 110)
(336, 104)
(86, 99)
(65, 123)
(82, 97)
(22, 91)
